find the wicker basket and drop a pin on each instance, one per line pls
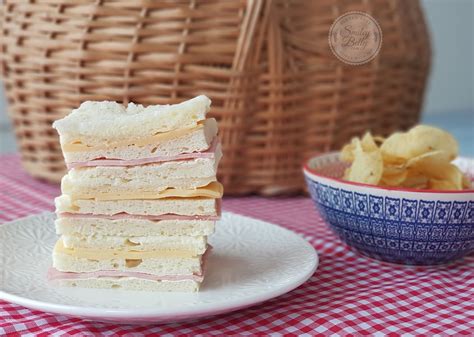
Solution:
(277, 90)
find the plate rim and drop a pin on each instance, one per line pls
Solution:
(207, 309)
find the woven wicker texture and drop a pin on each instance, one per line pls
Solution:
(277, 89)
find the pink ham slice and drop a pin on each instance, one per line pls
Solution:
(143, 217)
(54, 274)
(209, 153)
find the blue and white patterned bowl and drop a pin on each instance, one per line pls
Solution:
(417, 227)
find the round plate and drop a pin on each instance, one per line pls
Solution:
(252, 261)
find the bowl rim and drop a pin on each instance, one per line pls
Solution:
(308, 170)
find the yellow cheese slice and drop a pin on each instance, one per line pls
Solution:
(214, 190)
(107, 254)
(79, 146)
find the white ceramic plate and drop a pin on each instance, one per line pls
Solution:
(252, 261)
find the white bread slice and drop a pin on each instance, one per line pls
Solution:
(184, 174)
(197, 139)
(194, 244)
(156, 266)
(97, 122)
(214, 190)
(180, 206)
(131, 283)
(133, 227)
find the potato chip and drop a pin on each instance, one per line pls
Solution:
(347, 171)
(415, 179)
(393, 175)
(431, 164)
(424, 139)
(368, 143)
(394, 178)
(436, 184)
(450, 179)
(446, 176)
(427, 160)
(420, 158)
(418, 141)
(450, 174)
(391, 170)
(466, 182)
(379, 140)
(347, 153)
(392, 181)
(394, 148)
(367, 167)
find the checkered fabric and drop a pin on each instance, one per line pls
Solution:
(348, 294)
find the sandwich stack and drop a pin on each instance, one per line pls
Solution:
(140, 197)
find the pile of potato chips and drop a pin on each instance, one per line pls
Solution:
(419, 158)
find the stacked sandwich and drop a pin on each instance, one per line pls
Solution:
(140, 197)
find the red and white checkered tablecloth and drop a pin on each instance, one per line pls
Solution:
(348, 294)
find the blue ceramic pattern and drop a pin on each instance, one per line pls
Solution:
(398, 230)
